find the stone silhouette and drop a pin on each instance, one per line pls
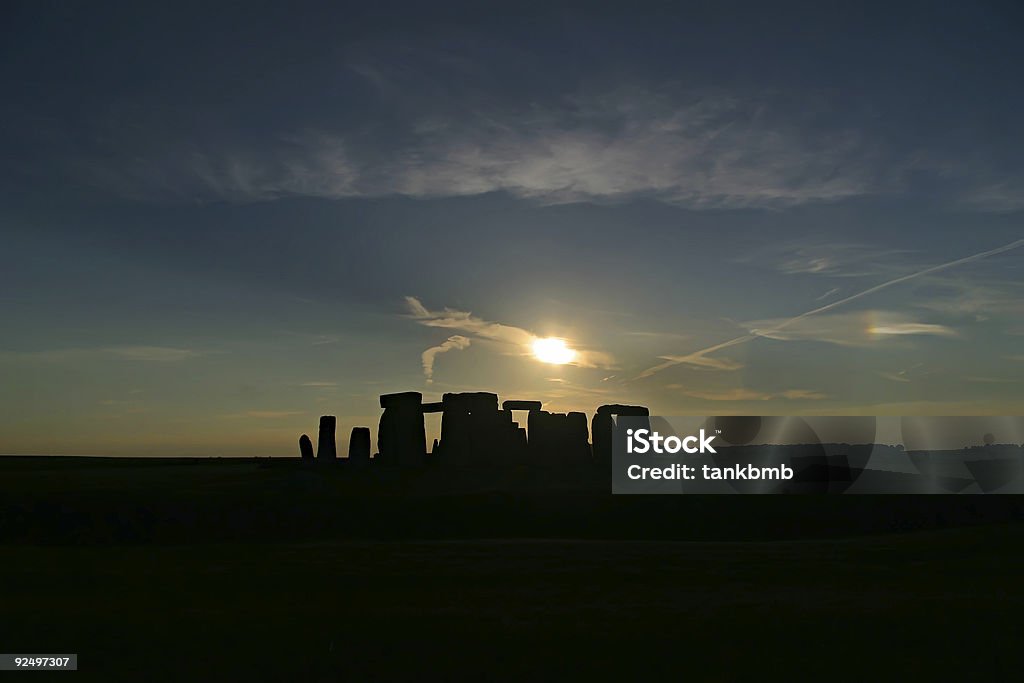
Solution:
(522, 405)
(401, 437)
(359, 446)
(474, 432)
(305, 447)
(558, 438)
(326, 448)
(602, 427)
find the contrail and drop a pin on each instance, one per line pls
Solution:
(828, 294)
(697, 356)
(890, 283)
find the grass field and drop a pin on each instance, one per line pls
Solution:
(216, 571)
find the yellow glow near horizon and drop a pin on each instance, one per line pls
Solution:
(553, 350)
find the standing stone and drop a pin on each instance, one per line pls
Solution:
(577, 438)
(326, 448)
(359, 446)
(305, 447)
(475, 433)
(540, 437)
(601, 428)
(558, 439)
(401, 436)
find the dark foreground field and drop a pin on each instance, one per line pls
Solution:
(270, 571)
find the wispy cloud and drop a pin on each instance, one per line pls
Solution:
(1005, 195)
(778, 329)
(264, 414)
(803, 395)
(511, 339)
(707, 149)
(977, 298)
(454, 343)
(744, 394)
(981, 292)
(830, 259)
(827, 294)
(642, 334)
(701, 359)
(913, 373)
(149, 354)
(158, 354)
(464, 321)
(565, 395)
(992, 380)
(861, 328)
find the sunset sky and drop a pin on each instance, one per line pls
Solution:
(220, 222)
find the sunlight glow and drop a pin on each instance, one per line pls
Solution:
(553, 350)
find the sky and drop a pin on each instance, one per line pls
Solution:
(219, 221)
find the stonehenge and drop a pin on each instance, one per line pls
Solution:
(475, 432)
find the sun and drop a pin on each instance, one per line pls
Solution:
(553, 350)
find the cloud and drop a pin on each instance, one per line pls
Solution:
(803, 395)
(455, 342)
(704, 150)
(711, 151)
(464, 321)
(149, 354)
(775, 328)
(265, 414)
(1000, 196)
(983, 291)
(513, 340)
(827, 294)
(700, 359)
(739, 394)
(992, 380)
(703, 361)
(861, 328)
(899, 329)
(981, 301)
(744, 394)
(159, 354)
(566, 391)
(829, 259)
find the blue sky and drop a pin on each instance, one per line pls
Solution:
(220, 222)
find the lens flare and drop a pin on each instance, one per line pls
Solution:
(553, 350)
